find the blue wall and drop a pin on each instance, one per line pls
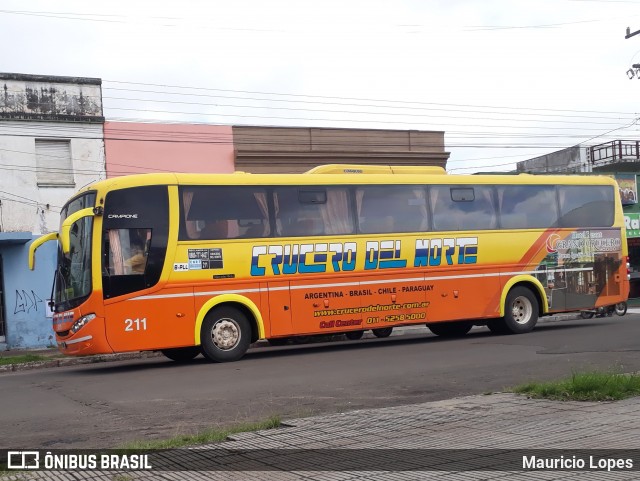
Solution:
(26, 293)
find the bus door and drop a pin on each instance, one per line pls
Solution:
(139, 315)
(279, 309)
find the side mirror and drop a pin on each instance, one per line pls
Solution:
(65, 230)
(37, 243)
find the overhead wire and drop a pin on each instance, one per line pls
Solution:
(520, 112)
(450, 133)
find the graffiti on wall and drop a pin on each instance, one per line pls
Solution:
(26, 301)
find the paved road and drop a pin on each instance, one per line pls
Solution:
(105, 405)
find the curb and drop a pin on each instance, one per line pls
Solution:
(100, 358)
(72, 361)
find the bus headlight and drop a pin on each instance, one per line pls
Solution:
(80, 323)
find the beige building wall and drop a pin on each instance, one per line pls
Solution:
(298, 149)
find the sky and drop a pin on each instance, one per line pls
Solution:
(506, 80)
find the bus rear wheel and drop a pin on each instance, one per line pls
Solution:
(354, 335)
(182, 354)
(450, 329)
(225, 334)
(520, 312)
(382, 332)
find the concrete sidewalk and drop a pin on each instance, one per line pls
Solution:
(485, 437)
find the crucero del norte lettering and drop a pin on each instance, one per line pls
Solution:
(277, 259)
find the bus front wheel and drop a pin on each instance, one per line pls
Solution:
(520, 312)
(225, 334)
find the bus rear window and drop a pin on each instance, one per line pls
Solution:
(586, 205)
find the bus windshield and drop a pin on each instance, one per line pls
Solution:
(72, 282)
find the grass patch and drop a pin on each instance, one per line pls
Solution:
(587, 386)
(204, 437)
(22, 359)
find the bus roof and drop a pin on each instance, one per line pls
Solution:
(377, 169)
(345, 174)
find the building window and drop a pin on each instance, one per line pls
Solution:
(53, 163)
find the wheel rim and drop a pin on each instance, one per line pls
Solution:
(521, 310)
(225, 334)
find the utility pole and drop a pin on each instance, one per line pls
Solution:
(629, 34)
(634, 71)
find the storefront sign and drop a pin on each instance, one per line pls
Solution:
(628, 188)
(632, 224)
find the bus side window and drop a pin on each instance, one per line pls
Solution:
(128, 251)
(295, 219)
(527, 206)
(586, 205)
(463, 207)
(387, 209)
(223, 212)
(312, 211)
(217, 229)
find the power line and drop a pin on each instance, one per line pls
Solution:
(363, 99)
(259, 107)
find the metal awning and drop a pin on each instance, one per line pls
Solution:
(7, 238)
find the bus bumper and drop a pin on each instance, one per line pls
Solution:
(89, 340)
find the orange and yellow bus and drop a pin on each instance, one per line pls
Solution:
(193, 263)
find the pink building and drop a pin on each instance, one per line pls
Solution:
(134, 148)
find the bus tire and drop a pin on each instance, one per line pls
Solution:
(182, 354)
(225, 334)
(382, 332)
(520, 310)
(450, 329)
(354, 335)
(497, 326)
(621, 308)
